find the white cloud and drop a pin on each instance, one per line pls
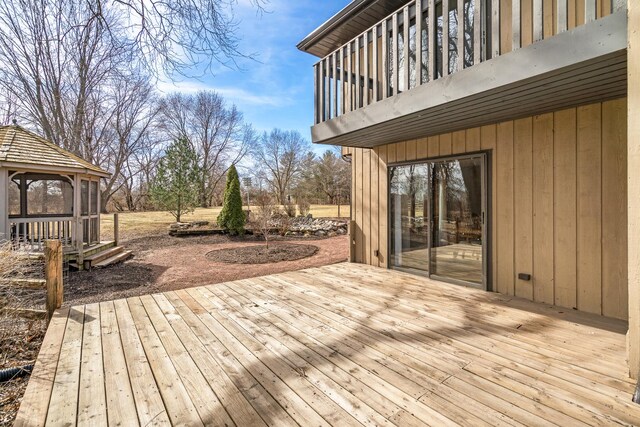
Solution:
(235, 95)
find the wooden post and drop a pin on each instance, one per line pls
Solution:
(53, 275)
(633, 189)
(4, 204)
(116, 226)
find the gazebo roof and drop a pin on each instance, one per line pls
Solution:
(20, 146)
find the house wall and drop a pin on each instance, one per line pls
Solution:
(633, 82)
(558, 203)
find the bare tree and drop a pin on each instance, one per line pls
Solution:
(55, 58)
(281, 156)
(176, 35)
(133, 113)
(71, 68)
(216, 131)
(265, 210)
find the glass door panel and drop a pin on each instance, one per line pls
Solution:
(409, 225)
(458, 216)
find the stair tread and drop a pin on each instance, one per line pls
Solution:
(122, 256)
(104, 254)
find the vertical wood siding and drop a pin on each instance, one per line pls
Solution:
(558, 202)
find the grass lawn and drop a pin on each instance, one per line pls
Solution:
(139, 224)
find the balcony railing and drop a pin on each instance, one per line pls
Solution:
(390, 58)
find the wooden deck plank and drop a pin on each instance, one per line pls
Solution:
(297, 373)
(500, 304)
(92, 399)
(372, 384)
(180, 407)
(309, 364)
(270, 411)
(295, 406)
(342, 344)
(149, 405)
(526, 414)
(490, 322)
(121, 407)
(408, 379)
(35, 402)
(236, 405)
(459, 328)
(63, 407)
(353, 356)
(200, 393)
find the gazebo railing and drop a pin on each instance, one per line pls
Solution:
(29, 234)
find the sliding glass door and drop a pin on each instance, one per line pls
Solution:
(437, 219)
(409, 217)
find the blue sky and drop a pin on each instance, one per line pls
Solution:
(277, 91)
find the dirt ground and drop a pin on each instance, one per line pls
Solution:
(165, 263)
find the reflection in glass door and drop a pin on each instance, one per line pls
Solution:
(436, 218)
(409, 217)
(457, 203)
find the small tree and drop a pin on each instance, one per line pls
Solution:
(304, 206)
(266, 208)
(175, 188)
(232, 217)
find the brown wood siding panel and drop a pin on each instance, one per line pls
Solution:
(543, 208)
(375, 206)
(445, 144)
(472, 140)
(412, 150)
(504, 215)
(589, 209)
(383, 207)
(357, 160)
(391, 153)
(488, 142)
(558, 203)
(422, 148)
(523, 205)
(366, 206)
(614, 209)
(401, 151)
(434, 146)
(458, 142)
(565, 233)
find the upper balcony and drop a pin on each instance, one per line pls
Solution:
(504, 59)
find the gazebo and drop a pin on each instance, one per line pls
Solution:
(46, 193)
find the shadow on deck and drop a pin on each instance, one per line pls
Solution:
(343, 344)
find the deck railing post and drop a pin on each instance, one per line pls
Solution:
(116, 228)
(53, 275)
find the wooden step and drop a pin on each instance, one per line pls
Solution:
(123, 256)
(98, 257)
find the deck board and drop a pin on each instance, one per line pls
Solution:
(345, 344)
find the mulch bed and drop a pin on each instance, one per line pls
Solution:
(19, 345)
(260, 254)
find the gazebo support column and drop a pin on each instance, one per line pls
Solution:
(4, 204)
(77, 218)
(633, 158)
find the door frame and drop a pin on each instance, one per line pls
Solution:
(486, 184)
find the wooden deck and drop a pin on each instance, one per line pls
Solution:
(340, 345)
